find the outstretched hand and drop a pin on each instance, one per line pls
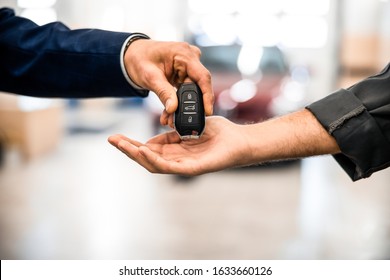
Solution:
(166, 153)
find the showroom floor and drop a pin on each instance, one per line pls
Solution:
(85, 200)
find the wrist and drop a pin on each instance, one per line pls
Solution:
(295, 135)
(124, 62)
(253, 144)
(250, 144)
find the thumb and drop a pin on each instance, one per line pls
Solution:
(167, 95)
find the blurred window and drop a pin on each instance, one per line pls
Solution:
(225, 58)
(286, 23)
(221, 57)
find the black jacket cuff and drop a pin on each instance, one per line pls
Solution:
(364, 147)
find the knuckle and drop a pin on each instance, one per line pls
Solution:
(163, 93)
(207, 75)
(185, 45)
(188, 50)
(196, 50)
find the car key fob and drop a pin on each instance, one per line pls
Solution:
(189, 118)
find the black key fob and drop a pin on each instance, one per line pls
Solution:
(189, 117)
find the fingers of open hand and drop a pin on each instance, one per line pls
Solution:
(153, 162)
(164, 165)
(125, 145)
(115, 139)
(133, 150)
(149, 159)
(129, 149)
(140, 153)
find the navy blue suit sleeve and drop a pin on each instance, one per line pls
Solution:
(54, 61)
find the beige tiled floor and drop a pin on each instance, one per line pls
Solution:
(87, 201)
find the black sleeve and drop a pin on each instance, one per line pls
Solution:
(359, 120)
(54, 61)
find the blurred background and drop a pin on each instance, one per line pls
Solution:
(65, 193)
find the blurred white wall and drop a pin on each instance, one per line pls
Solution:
(361, 18)
(322, 62)
(163, 20)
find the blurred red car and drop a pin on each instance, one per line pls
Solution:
(251, 84)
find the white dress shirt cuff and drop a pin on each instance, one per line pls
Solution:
(126, 44)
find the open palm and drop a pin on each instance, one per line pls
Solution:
(216, 149)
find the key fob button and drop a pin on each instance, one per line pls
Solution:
(190, 119)
(190, 107)
(190, 96)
